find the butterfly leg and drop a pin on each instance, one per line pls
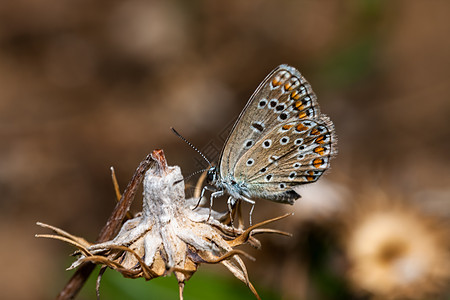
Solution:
(231, 202)
(215, 194)
(251, 210)
(205, 188)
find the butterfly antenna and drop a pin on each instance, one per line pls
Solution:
(192, 146)
(185, 179)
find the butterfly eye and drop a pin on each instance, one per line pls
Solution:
(211, 175)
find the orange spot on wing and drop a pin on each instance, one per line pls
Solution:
(302, 115)
(310, 178)
(295, 95)
(276, 82)
(301, 127)
(318, 162)
(288, 86)
(299, 105)
(315, 131)
(319, 150)
(320, 140)
(287, 126)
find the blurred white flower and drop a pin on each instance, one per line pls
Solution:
(396, 251)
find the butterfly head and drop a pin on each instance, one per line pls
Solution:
(212, 176)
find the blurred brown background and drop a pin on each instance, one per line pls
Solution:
(85, 85)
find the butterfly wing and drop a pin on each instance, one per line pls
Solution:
(283, 96)
(290, 154)
(280, 140)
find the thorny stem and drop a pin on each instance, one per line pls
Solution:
(110, 229)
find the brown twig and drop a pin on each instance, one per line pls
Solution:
(110, 229)
(117, 191)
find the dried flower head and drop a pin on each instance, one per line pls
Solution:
(168, 236)
(396, 251)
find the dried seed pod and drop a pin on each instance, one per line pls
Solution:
(168, 236)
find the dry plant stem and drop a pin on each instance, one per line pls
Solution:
(82, 249)
(99, 279)
(268, 230)
(246, 234)
(181, 289)
(110, 230)
(117, 190)
(63, 236)
(116, 184)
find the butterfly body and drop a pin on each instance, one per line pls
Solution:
(280, 141)
(238, 188)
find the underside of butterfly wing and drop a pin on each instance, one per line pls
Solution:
(291, 154)
(280, 140)
(283, 96)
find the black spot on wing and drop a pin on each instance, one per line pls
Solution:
(258, 127)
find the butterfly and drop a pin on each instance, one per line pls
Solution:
(279, 141)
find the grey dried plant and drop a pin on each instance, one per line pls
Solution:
(168, 236)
